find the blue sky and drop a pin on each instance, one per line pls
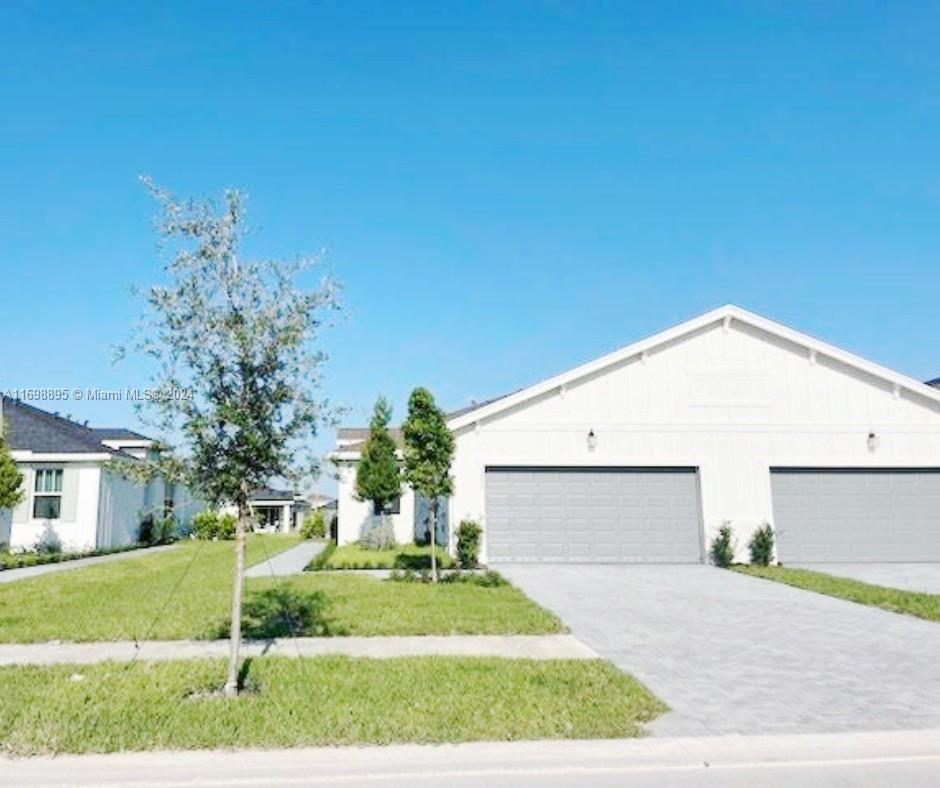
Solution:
(504, 189)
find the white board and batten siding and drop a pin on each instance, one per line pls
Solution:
(730, 400)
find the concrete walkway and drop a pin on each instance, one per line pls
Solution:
(511, 646)
(10, 575)
(290, 562)
(908, 577)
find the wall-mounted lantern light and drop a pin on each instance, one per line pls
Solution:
(591, 441)
(873, 441)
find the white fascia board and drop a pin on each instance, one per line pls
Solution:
(129, 444)
(635, 349)
(838, 354)
(643, 346)
(28, 456)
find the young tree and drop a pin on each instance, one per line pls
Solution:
(378, 476)
(11, 480)
(234, 367)
(429, 451)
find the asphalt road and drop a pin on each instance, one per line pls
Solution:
(906, 758)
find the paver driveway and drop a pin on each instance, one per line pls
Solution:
(736, 654)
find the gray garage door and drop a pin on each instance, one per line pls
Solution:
(593, 515)
(850, 514)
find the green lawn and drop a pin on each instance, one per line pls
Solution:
(356, 605)
(354, 556)
(896, 600)
(185, 593)
(179, 593)
(327, 700)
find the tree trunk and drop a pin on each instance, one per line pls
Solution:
(231, 683)
(432, 528)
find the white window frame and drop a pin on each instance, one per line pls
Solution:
(47, 483)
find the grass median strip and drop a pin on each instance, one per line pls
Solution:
(356, 605)
(321, 701)
(128, 599)
(912, 603)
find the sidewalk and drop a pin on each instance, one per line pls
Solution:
(10, 575)
(290, 562)
(511, 646)
(899, 758)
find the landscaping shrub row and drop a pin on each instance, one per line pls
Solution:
(10, 560)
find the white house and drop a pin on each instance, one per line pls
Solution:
(642, 454)
(71, 493)
(275, 510)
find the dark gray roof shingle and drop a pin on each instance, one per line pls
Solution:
(33, 429)
(270, 494)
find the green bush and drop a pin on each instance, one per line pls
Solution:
(489, 579)
(314, 526)
(19, 560)
(157, 530)
(761, 545)
(468, 543)
(212, 525)
(722, 547)
(355, 556)
(226, 527)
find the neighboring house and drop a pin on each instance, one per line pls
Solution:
(277, 510)
(642, 454)
(70, 493)
(325, 504)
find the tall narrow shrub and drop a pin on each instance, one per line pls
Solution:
(429, 451)
(378, 475)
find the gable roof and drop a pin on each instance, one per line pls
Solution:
(40, 432)
(728, 315)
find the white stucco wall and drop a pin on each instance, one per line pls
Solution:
(78, 524)
(353, 513)
(99, 509)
